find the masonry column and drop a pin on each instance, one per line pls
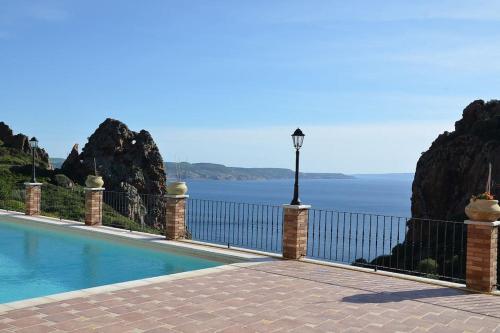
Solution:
(33, 198)
(482, 248)
(93, 206)
(175, 213)
(295, 231)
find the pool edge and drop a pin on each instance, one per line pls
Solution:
(36, 301)
(236, 258)
(140, 238)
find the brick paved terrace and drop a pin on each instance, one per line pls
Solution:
(276, 296)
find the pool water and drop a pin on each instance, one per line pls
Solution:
(38, 261)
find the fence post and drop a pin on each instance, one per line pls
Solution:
(295, 231)
(175, 213)
(481, 257)
(33, 198)
(93, 206)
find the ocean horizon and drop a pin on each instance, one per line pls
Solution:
(383, 194)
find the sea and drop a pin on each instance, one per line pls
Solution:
(383, 194)
(335, 231)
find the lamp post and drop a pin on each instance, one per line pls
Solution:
(33, 144)
(298, 139)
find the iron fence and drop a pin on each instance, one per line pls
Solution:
(133, 211)
(253, 226)
(13, 198)
(431, 248)
(63, 203)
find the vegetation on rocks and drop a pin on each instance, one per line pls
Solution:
(61, 198)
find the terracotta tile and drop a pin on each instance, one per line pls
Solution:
(282, 296)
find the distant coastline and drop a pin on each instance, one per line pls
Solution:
(221, 172)
(212, 171)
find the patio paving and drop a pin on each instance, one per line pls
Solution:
(277, 296)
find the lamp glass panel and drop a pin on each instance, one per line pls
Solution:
(300, 140)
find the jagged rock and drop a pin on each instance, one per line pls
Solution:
(456, 165)
(128, 162)
(21, 143)
(5, 131)
(453, 169)
(74, 156)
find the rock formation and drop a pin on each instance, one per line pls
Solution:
(456, 165)
(128, 161)
(453, 169)
(63, 181)
(21, 142)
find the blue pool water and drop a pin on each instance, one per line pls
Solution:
(36, 261)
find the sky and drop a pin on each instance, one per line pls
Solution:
(371, 83)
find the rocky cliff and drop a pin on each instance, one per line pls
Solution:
(20, 143)
(453, 169)
(128, 161)
(123, 157)
(456, 165)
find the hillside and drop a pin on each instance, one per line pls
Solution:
(222, 172)
(60, 196)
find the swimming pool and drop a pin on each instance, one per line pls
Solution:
(37, 260)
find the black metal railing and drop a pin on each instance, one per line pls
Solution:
(430, 248)
(133, 211)
(63, 203)
(423, 247)
(13, 198)
(253, 226)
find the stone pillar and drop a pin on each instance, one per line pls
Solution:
(33, 198)
(175, 213)
(93, 206)
(295, 231)
(481, 262)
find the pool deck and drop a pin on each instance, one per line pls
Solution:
(272, 296)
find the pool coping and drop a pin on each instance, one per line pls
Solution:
(245, 259)
(140, 238)
(30, 302)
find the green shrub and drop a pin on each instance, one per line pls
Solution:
(427, 266)
(14, 205)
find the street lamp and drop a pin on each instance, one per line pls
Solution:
(298, 139)
(34, 145)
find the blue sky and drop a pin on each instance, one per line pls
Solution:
(371, 83)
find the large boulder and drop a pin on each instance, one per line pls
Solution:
(128, 161)
(63, 181)
(456, 165)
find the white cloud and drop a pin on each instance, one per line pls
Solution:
(472, 58)
(362, 148)
(49, 14)
(14, 14)
(381, 11)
